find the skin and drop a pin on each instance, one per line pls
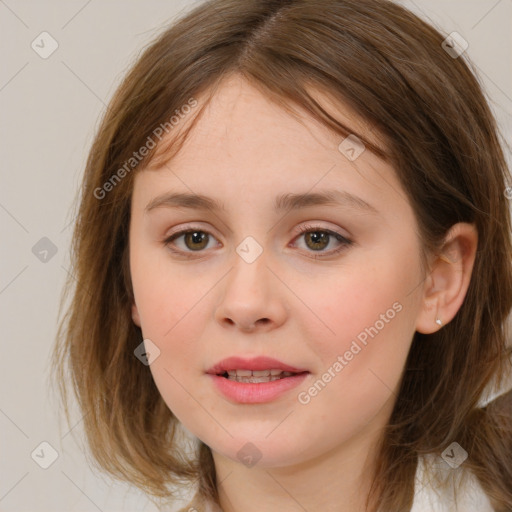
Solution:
(286, 304)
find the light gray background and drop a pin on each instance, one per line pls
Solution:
(49, 112)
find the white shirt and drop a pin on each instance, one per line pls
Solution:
(431, 496)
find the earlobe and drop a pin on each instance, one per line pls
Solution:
(448, 282)
(135, 315)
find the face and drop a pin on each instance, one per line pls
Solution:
(326, 288)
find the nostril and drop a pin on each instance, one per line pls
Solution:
(248, 327)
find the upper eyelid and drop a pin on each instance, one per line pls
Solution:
(311, 227)
(183, 230)
(300, 230)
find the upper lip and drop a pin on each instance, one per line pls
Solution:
(255, 363)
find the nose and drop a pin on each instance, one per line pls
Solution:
(252, 298)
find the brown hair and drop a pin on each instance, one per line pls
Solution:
(389, 66)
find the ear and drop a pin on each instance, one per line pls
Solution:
(446, 286)
(135, 315)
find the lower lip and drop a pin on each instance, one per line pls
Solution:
(252, 393)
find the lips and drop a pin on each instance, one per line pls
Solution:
(241, 380)
(254, 364)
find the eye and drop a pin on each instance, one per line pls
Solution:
(317, 239)
(195, 240)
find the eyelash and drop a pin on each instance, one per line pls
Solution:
(345, 242)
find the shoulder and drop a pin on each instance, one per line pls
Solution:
(441, 488)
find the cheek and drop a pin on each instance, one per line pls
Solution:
(172, 313)
(165, 295)
(354, 306)
(172, 309)
(170, 320)
(361, 331)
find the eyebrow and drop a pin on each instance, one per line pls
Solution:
(283, 202)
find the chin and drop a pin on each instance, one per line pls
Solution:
(259, 451)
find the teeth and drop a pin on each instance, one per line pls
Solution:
(257, 376)
(255, 380)
(261, 373)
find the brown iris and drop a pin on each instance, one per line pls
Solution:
(196, 237)
(319, 239)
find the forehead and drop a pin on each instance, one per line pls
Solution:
(239, 112)
(244, 142)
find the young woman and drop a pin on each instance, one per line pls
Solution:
(294, 249)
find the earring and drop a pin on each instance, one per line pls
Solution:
(438, 322)
(445, 258)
